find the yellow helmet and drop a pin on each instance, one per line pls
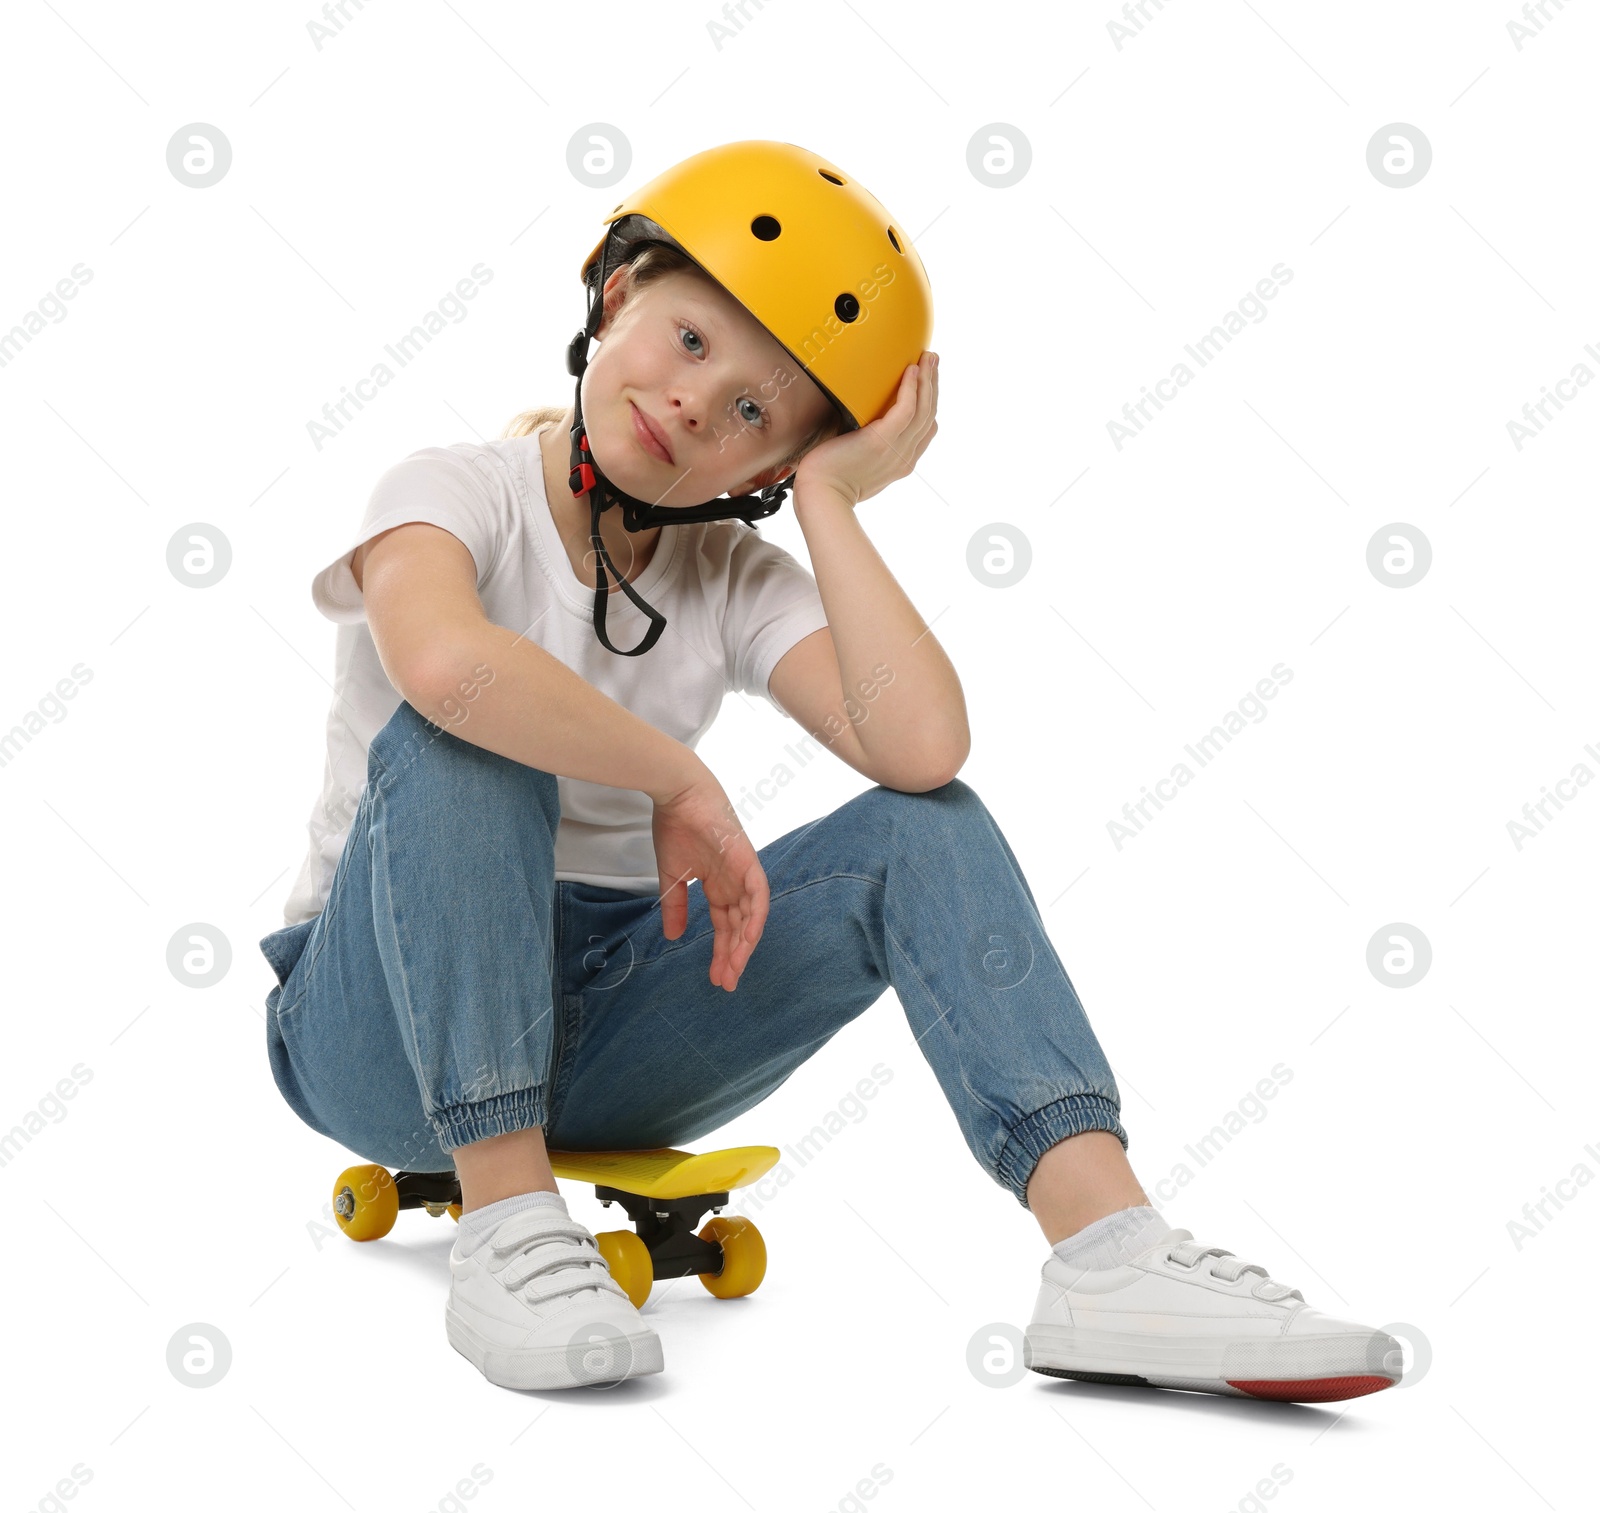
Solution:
(808, 252)
(812, 256)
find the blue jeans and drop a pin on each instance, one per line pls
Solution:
(451, 989)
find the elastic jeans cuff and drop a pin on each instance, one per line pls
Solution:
(463, 1123)
(1049, 1126)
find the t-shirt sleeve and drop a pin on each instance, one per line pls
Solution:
(438, 486)
(772, 603)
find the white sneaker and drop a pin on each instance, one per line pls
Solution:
(535, 1306)
(1168, 1318)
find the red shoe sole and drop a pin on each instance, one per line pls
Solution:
(1329, 1389)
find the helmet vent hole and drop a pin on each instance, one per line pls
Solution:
(832, 178)
(894, 241)
(766, 228)
(847, 307)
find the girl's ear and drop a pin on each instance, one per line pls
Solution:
(764, 479)
(617, 289)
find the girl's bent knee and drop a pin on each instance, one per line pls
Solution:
(411, 747)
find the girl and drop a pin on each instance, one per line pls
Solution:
(471, 971)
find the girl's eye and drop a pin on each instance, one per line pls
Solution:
(756, 415)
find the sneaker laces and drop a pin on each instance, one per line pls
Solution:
(541, 1254)
(1227, 1266)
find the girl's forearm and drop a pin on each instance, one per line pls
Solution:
(881, 641)
(500, 691)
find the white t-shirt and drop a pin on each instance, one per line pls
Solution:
(734, 601)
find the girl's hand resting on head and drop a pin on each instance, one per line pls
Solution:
(698, 834)
(860, 463)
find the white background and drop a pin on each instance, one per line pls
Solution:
(1168, 576)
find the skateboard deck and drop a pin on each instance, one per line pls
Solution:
(664, 1192)
(667, 1173)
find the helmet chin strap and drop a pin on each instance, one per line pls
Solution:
(586, 477)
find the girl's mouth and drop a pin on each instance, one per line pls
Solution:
(646, 437)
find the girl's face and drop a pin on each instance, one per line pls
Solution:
(682, 361)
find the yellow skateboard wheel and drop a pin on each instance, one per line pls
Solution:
(365, 1202)
(628, 1258)
(744, 1256)
(454, 1210)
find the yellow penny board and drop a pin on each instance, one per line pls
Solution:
(667, 1173)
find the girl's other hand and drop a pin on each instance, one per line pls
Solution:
(698, 834)
(860, 463)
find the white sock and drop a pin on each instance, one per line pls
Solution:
(1114, 1240)
(477, 1226)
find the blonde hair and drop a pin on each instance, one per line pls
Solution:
(652, 261)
